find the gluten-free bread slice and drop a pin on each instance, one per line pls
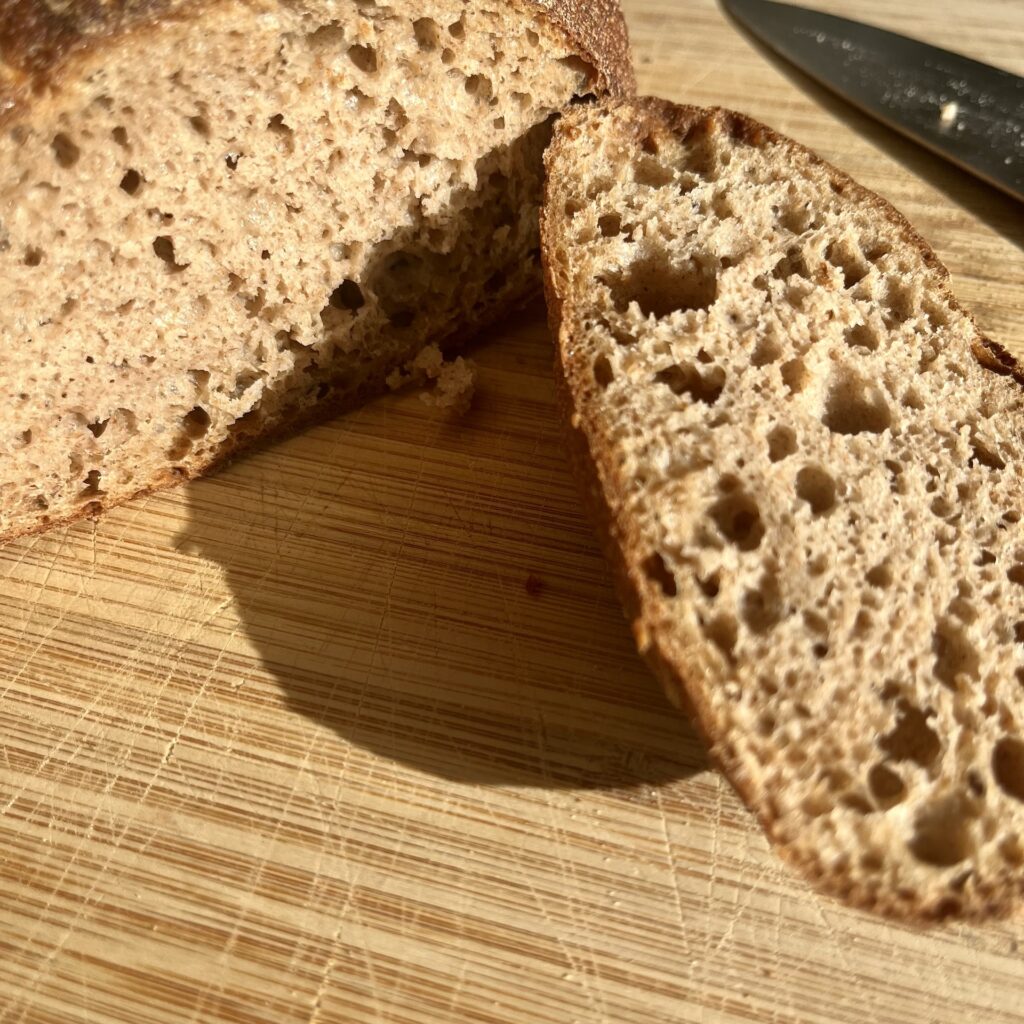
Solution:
(220, 218)
(806, 464)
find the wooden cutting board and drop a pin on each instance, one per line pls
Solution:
(355, 731)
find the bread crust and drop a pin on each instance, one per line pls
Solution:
(42, 42)
(591, 454)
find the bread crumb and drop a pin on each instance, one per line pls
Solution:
(454, 381)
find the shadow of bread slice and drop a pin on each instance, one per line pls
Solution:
(219, 219)
(805, 463)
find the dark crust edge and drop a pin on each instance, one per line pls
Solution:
(40, 46)
(601, 488)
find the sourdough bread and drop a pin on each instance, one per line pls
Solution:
(221, 218)
(805, 463)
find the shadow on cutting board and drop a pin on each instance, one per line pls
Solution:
(431, 592)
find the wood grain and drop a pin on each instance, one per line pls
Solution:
(355, 732)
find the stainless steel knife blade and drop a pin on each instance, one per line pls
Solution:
(966, 111)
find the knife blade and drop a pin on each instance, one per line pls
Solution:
(968, 112)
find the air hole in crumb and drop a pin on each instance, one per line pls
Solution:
(685, 379)
(364, 58)
(1015, 574)
(913, 400)
(855, 406)
(781, 443)
(815, 486)
(131, 181)
(982, 454)
(196, 422)
(278, 126)
(975, 783)
(886, 786)
(199, 125)
(427, 33)
(912, 738)
(401, 318)
(479, 87)
(91, 488)
(766, 351)
(941, 836)
(348, 295)
(1008, 766)
(955, 655)
(163, 246)
(658, 572)
(794, 375)
(603, 373)
(722, 207)
(793, 263)
(722, 631)
(327, 39)
(937, 316)
(232, 161)
(179, 449)
(1011, 850)
(65, 152)
(872, 861)
(660, 289)
(709, 585)
(849, 262)
(652, 173)
(610, 225)
(987, 558)
(861, 336)
(761, 609)
(33, 256)
(457, 30)
(796, 219)
(738, 519)
(120, 136)
(97, 427)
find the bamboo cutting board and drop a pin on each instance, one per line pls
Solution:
(355, 731)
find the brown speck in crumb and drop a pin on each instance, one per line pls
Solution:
(534, 585)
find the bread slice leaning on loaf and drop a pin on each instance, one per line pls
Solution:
(220, 218)
(806, 464)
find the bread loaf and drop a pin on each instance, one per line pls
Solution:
(219, 219)
(805, 462)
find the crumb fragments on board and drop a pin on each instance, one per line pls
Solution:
(454, 382)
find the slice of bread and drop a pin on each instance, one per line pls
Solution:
(805, 463)
(220, 218)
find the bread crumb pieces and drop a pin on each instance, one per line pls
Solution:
(454, 382)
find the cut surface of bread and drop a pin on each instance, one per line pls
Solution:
(805, 463)
(218, 219)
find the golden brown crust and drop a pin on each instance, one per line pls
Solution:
(597, 473)
(41, 40)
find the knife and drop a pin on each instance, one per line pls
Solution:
(968, 112)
